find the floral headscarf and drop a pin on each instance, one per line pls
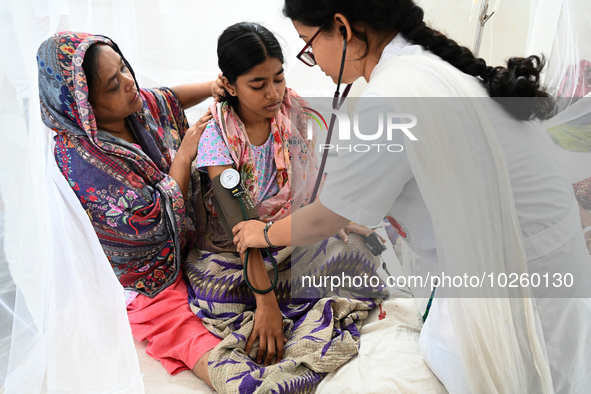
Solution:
(137, 210)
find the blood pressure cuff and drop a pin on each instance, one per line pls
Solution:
(228, 207)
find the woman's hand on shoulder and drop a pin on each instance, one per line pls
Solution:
(217, 88)
(190, 142)
(180, 170)
(249, 234)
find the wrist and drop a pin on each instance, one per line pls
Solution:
(183, 159)
(276, 234)
(266, 300)
(266, 235)
(212, 85)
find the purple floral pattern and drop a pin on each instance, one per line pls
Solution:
(137, 210)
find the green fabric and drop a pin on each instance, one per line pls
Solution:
(572, 138)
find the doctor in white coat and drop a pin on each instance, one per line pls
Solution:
(479, 192)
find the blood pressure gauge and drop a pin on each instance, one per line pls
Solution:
(230, 178)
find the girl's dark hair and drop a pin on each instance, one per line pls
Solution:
(243, 46)
(521, 77)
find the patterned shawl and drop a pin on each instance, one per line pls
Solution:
(297, 166)
(137, 210)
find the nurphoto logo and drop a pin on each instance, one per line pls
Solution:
(390, 122)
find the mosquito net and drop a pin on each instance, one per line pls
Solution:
(63, 324)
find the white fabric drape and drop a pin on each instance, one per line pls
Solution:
(63, 323)
(64, 326)
(498, 331)
(62, 320)
(560, 29)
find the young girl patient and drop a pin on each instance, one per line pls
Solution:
(261, 131)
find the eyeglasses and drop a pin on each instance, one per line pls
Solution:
(306, 55)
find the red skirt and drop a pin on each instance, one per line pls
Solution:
(177, 338)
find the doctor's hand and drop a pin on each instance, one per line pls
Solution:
(357, 229)
(249, 234)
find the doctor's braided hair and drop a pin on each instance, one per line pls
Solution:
(521, 77)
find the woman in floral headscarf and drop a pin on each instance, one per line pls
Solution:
(127, 152)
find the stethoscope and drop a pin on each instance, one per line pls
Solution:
(231, 180)
(337, 102)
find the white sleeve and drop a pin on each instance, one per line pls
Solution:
(364, 185)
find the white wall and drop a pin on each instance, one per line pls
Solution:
(504, 35)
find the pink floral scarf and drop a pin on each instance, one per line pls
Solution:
(295, 158)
